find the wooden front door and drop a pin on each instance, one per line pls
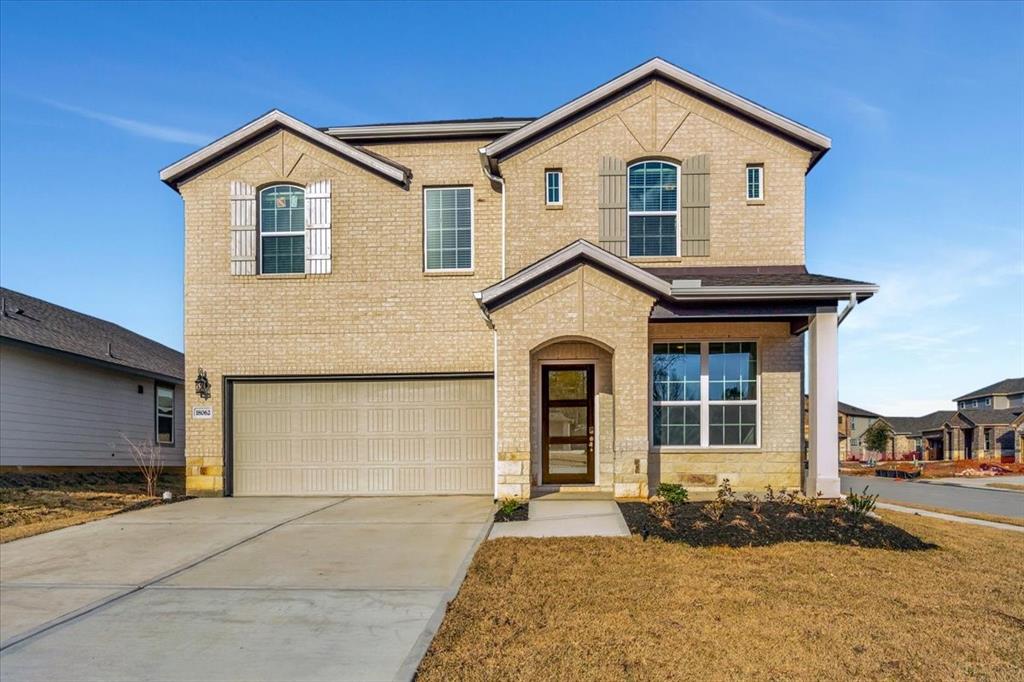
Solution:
(567, 423)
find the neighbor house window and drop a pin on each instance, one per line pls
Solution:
(164, 414)
(553, 185)
(282, 230)
(988, 439)
(448, 228)
(705, 394)
(755, 183)
(653, 209)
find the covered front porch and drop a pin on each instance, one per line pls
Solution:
(611, 378)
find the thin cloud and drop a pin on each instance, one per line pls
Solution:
(139, 128)
(862, 109)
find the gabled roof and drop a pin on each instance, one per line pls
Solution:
(30, 321)
(849, 409)
(275, 119)
(818, 143)
(579, 251)
(1004, 387)
(992, 417)
(915, 426)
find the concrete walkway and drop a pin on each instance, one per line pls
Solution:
(238, 589)
(566, 518)
(950, 517)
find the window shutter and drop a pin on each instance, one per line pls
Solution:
(695, 216)
(318, 228)
(611, 205)
(243, 228)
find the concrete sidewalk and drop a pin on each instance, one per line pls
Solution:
(566, 518)
(950, 517)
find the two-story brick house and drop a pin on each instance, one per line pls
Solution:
(611, 295)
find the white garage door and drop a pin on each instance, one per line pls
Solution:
(365, 437)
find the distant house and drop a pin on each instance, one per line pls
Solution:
(959, 434)
(853, 422)
(1002, 395)
(71, 385)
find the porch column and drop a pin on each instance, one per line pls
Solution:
(823, 457)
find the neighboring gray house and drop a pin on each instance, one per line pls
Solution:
(71, 384)
(858, 420)
(1002, 395)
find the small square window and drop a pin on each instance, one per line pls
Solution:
(553, 187)
(755, 183)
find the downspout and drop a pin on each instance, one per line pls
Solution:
(486, 165)
(494, 338)
(846, 311)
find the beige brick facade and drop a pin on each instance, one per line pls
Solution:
(378, 312)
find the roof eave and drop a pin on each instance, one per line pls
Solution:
(172, 174)
(825, 292)
(817, 142)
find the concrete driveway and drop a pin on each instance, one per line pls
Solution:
(238, 589)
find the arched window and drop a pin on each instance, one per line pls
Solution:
(282, 230)
(653, 209)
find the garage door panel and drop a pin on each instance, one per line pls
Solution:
(373, 437)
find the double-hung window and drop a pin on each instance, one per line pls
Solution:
(653, 209)
(755, 183)
(448, 228)
(705, 394)
(164, 414)
(553, 187)
(282, 230)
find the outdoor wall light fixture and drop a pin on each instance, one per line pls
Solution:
(202, 385)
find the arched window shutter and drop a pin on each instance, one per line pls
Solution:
(243, 228)
(318, 228)
(611, 206)
(695, 213)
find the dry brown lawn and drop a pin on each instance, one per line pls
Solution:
(1007, 486)
(31, 504)
(624, 609)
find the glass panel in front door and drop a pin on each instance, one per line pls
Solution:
(567, 458)
(567, 384)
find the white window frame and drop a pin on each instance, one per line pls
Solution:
(156, 414)
(760, 181)
(547, 177)
(472, 229)
(676, 213)
(705, 401)
(260, 235)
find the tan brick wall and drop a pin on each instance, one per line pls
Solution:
(778, 459)
(661, 121)
(582, 305)
(377, 313)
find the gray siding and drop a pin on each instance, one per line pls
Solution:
(55, 411)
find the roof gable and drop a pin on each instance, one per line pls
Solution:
(273, 120)
(818, 143)
(1004, 387)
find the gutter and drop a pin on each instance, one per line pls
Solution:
(485, 164)
(801, 291)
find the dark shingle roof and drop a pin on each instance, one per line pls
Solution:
(1004, 387)
(35, 321)
(847, 408)
(733, 276)
(992, 417)
(914, 426)
(489, 119)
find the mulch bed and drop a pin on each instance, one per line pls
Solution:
(520, 513)
(774, 523)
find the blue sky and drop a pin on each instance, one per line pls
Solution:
(922, 193)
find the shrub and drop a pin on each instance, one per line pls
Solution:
(714, 509)
(673, 493)
(662, 511)
(509, 505)
(769, 494)
(725, 493)
(754, 502)
(877, 437)
(861, 505)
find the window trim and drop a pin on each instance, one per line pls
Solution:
(472, 230)
(705, 400)
(760, 182)
(677, 213)
(259, 231)
(561, 190)
(157, 385)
